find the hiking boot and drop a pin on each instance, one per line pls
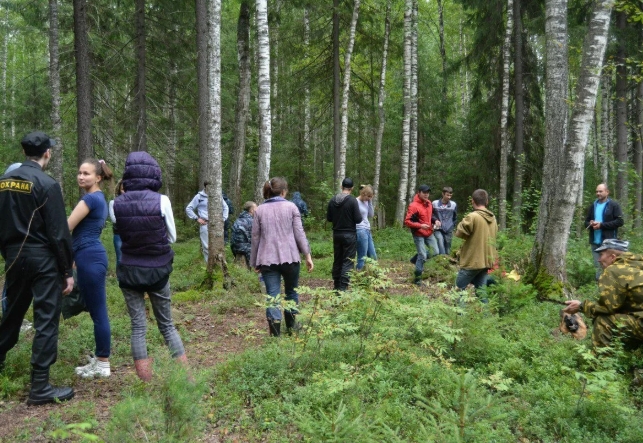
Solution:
(418, 278)
(42, 392)
(274, 328)
(144, 368)
(291, 322)
(95, 368)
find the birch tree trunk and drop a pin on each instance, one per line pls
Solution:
(519, 129)
(406, 119)
(621, 118)
(216, 257)
(548, 253)
(553, 249)
(341, 173)
(140, 92)
(380, 106)
(504, 114)
(202, 84)
(413, 128)
(265, 128)
(54, 81)
(337, 119)
(243, 103)
(83, 82)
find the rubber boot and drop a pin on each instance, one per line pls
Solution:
(418, 278)
(274, 327)
(144, 368)
(42, 392)
(291, 322)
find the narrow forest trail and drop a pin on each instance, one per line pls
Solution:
(213, 339)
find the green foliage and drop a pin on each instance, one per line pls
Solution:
(75, 430)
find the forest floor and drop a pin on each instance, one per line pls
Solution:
(215, 338)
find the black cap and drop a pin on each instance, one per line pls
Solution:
(347, 183)
(424, 188)
(36, 143)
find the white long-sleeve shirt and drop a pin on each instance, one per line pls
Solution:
(198, 207)
(166, 213)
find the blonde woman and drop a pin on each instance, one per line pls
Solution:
(365, 245)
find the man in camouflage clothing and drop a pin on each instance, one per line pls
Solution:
(620, 305)
(242, 232)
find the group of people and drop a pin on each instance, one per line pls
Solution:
(41, 246)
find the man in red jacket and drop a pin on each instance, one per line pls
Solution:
(419, 219)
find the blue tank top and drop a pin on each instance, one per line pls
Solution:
(88, 231)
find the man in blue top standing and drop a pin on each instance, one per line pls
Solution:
(603, 219)
(446, 212)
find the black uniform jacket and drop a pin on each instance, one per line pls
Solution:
(32, 214)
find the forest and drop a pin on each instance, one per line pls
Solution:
(536, 101)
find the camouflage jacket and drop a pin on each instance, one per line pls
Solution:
(621, 287)
(241, 234)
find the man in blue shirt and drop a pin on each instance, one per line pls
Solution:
(603, 219)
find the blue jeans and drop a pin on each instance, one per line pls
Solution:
(272, 278)
(420, 245)
(118, 243)
(444, 241)
(476, 276)
(365, 247)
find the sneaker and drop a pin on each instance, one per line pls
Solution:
(95, 368)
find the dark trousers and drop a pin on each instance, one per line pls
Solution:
(344, 248)
(33, 276)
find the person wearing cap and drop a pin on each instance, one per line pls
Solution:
(602, 221)
(197, 210)
(343, 212)
(36, 246)
(445, 212)
(419, 217)
(478, 253)
(620, 303)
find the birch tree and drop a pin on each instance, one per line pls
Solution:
(553, 229)
(243, 103)
(341, 167)
(413, 127)
(265, 129)
(406, 119)
(216, 257)
(504, 114)
(54, 81)
(380, 105)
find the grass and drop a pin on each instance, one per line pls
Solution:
(382, 363)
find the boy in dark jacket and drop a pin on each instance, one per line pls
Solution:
(242, 232)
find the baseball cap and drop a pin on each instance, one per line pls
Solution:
(36, 143)
(424, 188)
(347, 183)
(612, 243)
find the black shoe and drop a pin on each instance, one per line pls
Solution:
(418, 278)
(274, 327)
(291, 322)
(42, 392)
(414, 259)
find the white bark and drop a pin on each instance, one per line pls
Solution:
(380, 106)
(265, 128)
(605, 148)
(406, 120)
(413, 128)
(341, 173)
(563, 195)
(504, 114)
(215, 200)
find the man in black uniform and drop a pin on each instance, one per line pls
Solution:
(36, 246)
(343, 212)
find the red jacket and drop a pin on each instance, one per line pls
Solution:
(419, 213)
